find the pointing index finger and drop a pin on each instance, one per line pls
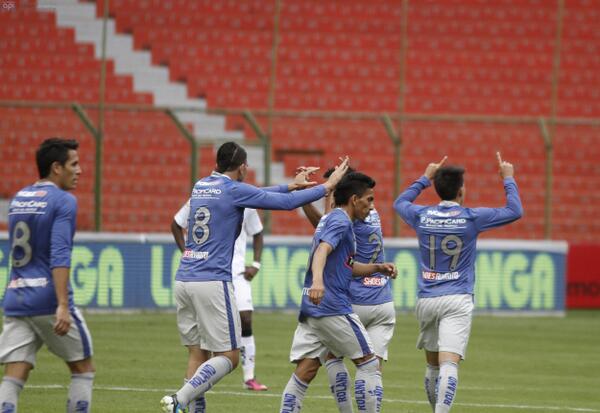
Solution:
(443, 161)
(499, 158)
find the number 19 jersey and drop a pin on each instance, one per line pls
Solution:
(447, 235)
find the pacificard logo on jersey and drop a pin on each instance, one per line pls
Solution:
(446, 222)
(199, 193)
(28, 204)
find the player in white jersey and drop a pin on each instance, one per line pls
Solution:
(38, 304)
(207, 316)
(447, 234)
(242, 275)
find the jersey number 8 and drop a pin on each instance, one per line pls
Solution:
(201, 218)
(21, 236)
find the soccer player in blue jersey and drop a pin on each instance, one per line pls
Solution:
(447, 234)
(38, 303)
(371, 299)
(327, 322)
(207, 316)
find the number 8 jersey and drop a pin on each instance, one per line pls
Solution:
(41, 221)
(447, 235)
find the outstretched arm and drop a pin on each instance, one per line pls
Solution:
(360, 269)
(251, 197)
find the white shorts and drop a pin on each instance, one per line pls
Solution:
(445, 323)
(342, 335)
(243, 293)
(22, 337)
(207, 315)
(379, 321)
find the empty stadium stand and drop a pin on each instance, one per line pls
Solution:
(463, 57)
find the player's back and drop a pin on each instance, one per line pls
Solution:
(213, 226)
(447, 235)
(41, 220)
(374, 289)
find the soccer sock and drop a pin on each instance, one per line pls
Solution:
(446, 388)
(9, 394)
(293, 395)
(197, 405)
(431, 378)
(80, 393)
(339, 383)
(368, 388)
(209, 373)
(248, 354)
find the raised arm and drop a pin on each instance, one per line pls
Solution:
(403, 205)
(312, 213)
(488, 218)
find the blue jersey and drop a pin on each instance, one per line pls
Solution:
(335, 229)
(41, 222)
(447, 235)
(376, 288)
(216, 213)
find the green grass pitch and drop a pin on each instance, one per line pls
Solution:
(514, 364)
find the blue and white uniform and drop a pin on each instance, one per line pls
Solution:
(447, 235)
(371, 296)
(331, 324)
(207, 314)
(41, 223)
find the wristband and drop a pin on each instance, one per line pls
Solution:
(256, 265)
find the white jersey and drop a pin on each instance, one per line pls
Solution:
(251, 226)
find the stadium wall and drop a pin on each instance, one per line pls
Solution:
(135, 271)
(583, 286)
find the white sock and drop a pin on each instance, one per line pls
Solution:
(9, 394)
(431, 378)
(207, 375)
(339, 383)
(197, 405)
(248, 354)
(368, 389)
(447, 384)
(80, 393)
(293, 395)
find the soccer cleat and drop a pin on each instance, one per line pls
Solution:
(169, 404)
(255, 385)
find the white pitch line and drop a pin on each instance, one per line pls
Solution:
(271, 395)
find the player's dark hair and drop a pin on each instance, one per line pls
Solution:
(230, 156)
(53, 150)
(328, 172)
(447, 181)
(354, 183)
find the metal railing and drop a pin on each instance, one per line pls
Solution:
(388, 121)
